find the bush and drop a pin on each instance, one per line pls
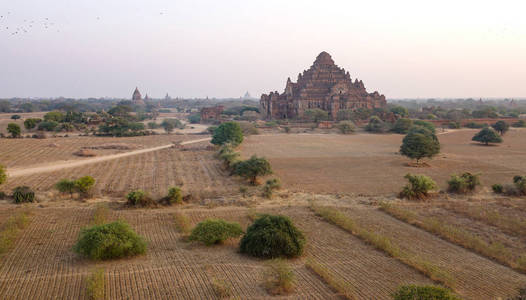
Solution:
(47, 125)
(402, 126)
(427, 292)
(463, 184)
(418, 187)
(175, 195)
(228, 155)
(474, 125)
(3, 174)
(376, 125)
(453, 125)
(139, 198)
(66, 186)
(215, 231)
(520, 184)
(84, 184)
(23, 194)
(279, 278)
(194, 119)
(271, 237)
(153, 125)
(109, 241)
(346, 127)
(229, 132)
(270, 186)
(497, 188)
(519, 124)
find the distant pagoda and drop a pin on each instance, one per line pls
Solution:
(137, 98)
(323, 86)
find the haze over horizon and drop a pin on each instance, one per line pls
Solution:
(403, 49)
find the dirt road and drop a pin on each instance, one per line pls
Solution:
(54, 166)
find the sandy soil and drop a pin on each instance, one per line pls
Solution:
(370, 164)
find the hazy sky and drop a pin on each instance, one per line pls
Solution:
(223, 48)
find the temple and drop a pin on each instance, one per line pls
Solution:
(324, 86)
(137, 98)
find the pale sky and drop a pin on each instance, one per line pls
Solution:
(224, 48)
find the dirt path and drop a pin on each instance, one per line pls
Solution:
(54, 166)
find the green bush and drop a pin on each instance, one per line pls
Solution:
(3, 174)
(252, 168)
(426, 292)
(66, 186)
(47, 125)
(270, 186)
(215, 231)
(346, 127)
(427, 125)
(520, 184)
(139, 198)
(474, 125)
(23, 194)
(497, 188)
(14, 130)
(453, 125)
(108, 241)
(271, 237)
(376, 125)
(464, 183)
(519, 124)
(84, 184)
(418, 187)
(175, 195)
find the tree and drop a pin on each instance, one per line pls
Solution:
(170, 124)
(428, 125)
(15, 117)
(316, 115)
(420, 143)
(56, 116)
(84, 184)
(252, 168)
(486, 136)
(501, 127)
(229, 132)
(346, 127)
(14, 130)
(400, 111)
(47, 125)
(402, 126)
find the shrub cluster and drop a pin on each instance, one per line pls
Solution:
(23, 194)
(139, 198)
(270, 186)
(229, 132)
(228, 155)
(83, 185)
(426, 292)
(215, 231)
(108, 241)
(518, 188)
(418, 187)
(345, 127)
(271, 237)
(464, 183)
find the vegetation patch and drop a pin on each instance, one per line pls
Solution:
(270, 186)
(95, 285)
(222, 288)
(418, 187)
(252, 168)
(423, 292)
(182, 223)
(279, 277)
(100, 215)
(229, 132)
(215, 231)
(463, 184)
(420, 143)
(109, 241)
(12, 229)
(456, 235)
(23, 194)
(139, 198)
(336, 283)
(272, 237)
(383, 243)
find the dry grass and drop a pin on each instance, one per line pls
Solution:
(279, 278)
(384, 244)
(100, 216)
(222, 288)
(510, 224)
(458, 236)
(95, 285)
(336, 283)
(183, 224)
(12, 228)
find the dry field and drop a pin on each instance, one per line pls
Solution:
(195, 169)
(42, 265)
(369, 164)
(16, 153)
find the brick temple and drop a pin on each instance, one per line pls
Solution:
(324, 86)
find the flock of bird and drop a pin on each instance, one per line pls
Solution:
(29, 25)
